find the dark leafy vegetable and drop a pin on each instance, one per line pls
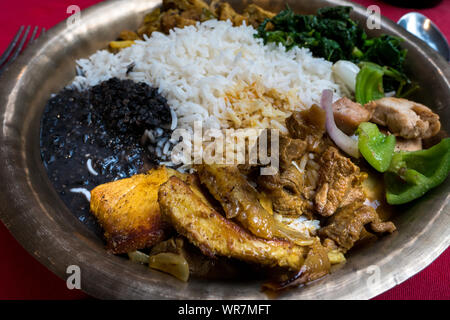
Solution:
(376, 147)
(330, 34)
(412, 174)
(333, 35)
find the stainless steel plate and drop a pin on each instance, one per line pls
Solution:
(33, 212)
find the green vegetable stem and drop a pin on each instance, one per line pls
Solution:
(376, 147)
(412, 174)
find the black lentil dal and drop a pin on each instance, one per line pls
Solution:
(104, 124)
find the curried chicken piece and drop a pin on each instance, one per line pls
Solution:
(290, 150)
(255, 15)
(175, 14)
(291, 180)
(346, 226)
(348, 115)
(404, 118)
(172, 19)
(287, 192)
(339, 179)
(226, 12)
(128, 211)
(239, 200)
(317, 265)
(214, 235)
(287, 189)
(151, 23)
(285, 203)
(308, 125)
(357, 194)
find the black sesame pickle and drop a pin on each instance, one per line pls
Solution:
(104, 124)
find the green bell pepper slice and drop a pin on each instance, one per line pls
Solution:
(376, 147)
(412, 174)
(369, 83)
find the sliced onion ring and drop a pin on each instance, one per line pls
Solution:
(343, 141)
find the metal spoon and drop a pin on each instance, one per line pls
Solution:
(426, 30)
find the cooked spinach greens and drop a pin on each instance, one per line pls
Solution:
(333, 35)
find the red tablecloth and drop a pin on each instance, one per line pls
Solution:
(22, 277)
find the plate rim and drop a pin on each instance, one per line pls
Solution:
(12, 78)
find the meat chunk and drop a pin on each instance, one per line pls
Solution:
(128, 211)
(317, 265)
(405, 118)
(175, 14)
(348, 115)
(286, 203)
(291, 179)
(347, 225)
(290, 150)
(287, 189)
(357, 194)
(172, 19)
(284, 189)
(287, 192)
(338, 178)
(214, 235)
(408, 144)
(239, 200)
(226, 12)
(255, 15)
(151, 23)
(309, 126)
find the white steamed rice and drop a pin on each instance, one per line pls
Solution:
(195, 66)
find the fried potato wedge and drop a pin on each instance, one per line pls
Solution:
(196, 219)
(128, 211)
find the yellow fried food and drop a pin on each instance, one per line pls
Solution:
(195, 219)
(335, 257)
(121, 44)
(128, 211)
